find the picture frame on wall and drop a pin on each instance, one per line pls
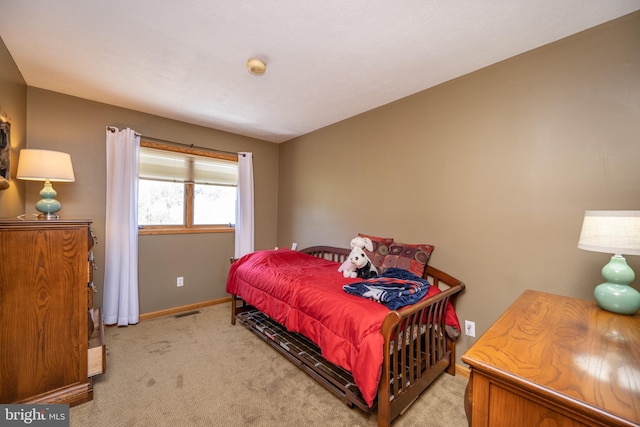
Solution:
(5, 155)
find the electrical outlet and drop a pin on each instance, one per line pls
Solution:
(180, 281)
(470, 328)
(294, 246)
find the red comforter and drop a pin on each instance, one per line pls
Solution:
(304, 293)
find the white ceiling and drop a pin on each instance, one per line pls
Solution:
(326, 60)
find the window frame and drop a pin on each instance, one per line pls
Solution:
(188, 227)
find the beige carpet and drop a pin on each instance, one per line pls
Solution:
(199, 370)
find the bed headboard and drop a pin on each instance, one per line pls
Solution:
(328, 252)
(435, 275)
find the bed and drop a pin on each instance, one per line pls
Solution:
(372, 357)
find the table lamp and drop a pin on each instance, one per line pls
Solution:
(48, 166)
(616, 232)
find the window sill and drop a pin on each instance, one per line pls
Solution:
(155, 230)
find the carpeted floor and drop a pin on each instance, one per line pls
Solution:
(198, 370)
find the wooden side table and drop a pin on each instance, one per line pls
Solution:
(550, 360)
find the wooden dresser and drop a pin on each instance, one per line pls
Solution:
(555, 361)
(51, 336)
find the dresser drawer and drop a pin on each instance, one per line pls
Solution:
(97, 357)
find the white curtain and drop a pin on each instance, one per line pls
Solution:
(244, 205)
(120, 303)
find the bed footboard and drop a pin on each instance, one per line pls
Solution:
(417, 349)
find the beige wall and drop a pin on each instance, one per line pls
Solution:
(495, 169)
(13, 108)
(77, 126)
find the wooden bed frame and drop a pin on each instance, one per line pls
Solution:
(407, 370)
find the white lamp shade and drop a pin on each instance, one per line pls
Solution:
(614, 232)
(40, 165)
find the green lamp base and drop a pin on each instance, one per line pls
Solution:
(48, 205)
(615, 294)
(621, 299)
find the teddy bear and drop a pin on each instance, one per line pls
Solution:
(358, 263)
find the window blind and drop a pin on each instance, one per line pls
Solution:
(172, 166)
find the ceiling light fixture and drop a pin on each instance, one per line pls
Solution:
(256, 66)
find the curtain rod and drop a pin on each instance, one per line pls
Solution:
(164, 141)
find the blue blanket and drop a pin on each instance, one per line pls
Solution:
(394, 288)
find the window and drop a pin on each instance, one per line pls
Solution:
(185, 190)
